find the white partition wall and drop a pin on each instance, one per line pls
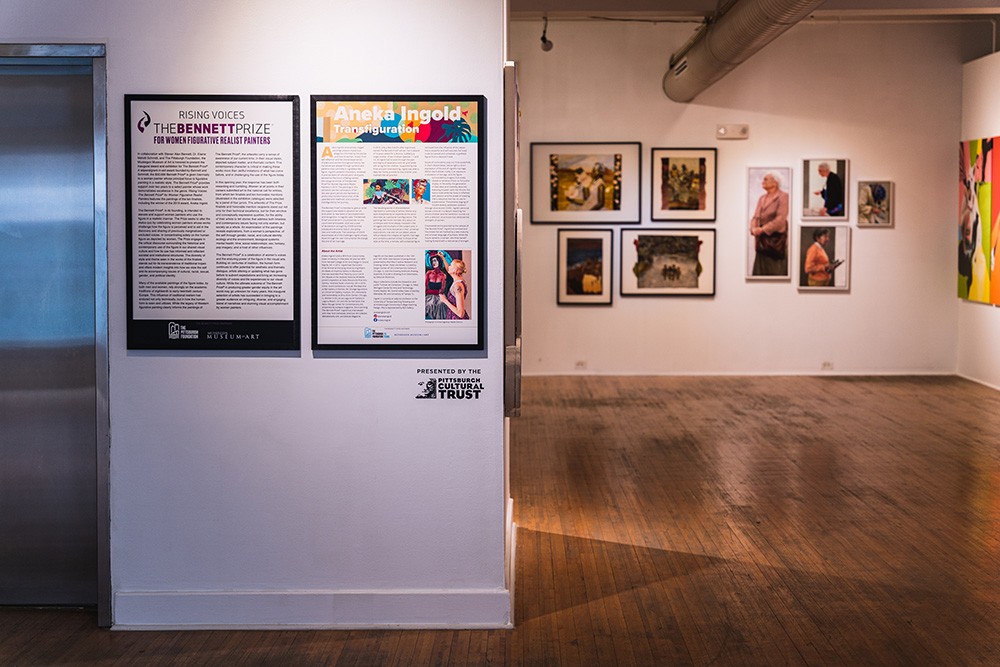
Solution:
(884, 95)
(298, 489)
(979, 324)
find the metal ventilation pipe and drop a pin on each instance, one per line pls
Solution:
(747, 27)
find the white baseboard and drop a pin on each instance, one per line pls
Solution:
(971, 378)
(289, 610)
(511, 555)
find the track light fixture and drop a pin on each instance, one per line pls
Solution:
(546, 42)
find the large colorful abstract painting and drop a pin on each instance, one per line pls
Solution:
(977, 216)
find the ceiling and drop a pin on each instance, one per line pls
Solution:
(688, 9)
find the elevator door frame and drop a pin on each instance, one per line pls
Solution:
(95, 54)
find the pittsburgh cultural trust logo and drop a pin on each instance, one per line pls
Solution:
(450, 383)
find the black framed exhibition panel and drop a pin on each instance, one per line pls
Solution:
(398, 222)
(212, 214)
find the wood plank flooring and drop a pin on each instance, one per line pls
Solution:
(693, 521)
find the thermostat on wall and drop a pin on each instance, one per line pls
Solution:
(732, 131)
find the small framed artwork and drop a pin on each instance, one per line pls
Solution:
(675, 262)
(683, 184)
(768, 235)
(874, 203)
(585, 183)
(585, 267)
(824, 257)
(824, 193)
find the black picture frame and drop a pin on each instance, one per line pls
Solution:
(190, 282)
(563, 176)
(584, 267)
(348, 126)
(667, 262)
(683, 184)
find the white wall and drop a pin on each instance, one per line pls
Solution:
(979, 324)
(885, 96)
(289, 490)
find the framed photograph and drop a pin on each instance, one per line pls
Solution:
(660, 262)
(824, 189)
(385, 276)
(683, 184)
(585, 183)
(874, 203)
(768, 235)
(824, 257)
(585, 267)
(212, 221)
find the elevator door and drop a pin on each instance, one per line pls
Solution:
(48, 431)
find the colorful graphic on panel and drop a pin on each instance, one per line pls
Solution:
(397, 122)
(974, 216)
(386, 191)
(446, 287)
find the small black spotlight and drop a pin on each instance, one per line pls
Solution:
(546, 42)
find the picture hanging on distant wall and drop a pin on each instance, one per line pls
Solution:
(875, 204)
(824, 257)
(584, 267)
(683, 184)
(824, 189)
(676, 262)
(976, 209)
(768, 237)
(585, 183)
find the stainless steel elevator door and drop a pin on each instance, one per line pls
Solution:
(48, 470)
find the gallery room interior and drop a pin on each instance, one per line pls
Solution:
(692, 462)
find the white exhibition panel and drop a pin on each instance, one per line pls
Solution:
(271, 489)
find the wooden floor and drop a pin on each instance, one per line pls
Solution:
(694, 521)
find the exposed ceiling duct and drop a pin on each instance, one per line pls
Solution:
(730, 38)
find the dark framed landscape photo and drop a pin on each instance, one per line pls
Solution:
(683, 184)
(675, 262)
(584, 266)
(574, 183)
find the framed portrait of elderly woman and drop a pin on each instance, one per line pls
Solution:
(824, 257)
(875, 204)
(824, 189)
(683, 184)
(583, 183)
(660, 262)
(585, 259)
(768, 230)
